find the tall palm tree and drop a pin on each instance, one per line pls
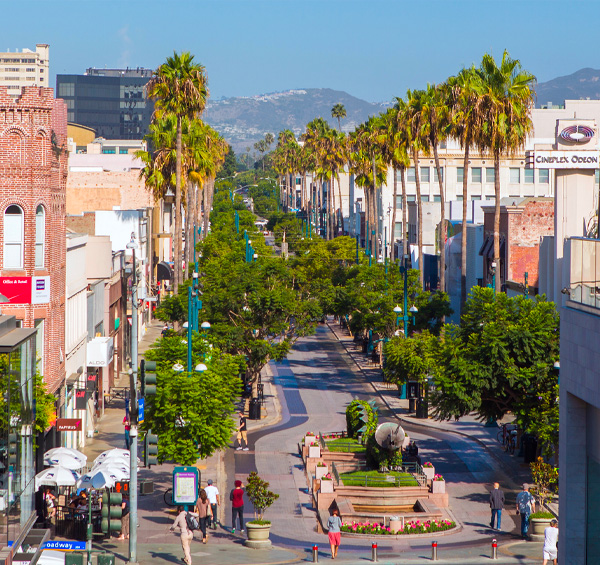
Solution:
(435, 125)
(338, 111)
(466, 121)
(507, 99)
(179, 87)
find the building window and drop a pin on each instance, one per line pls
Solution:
(529, 176)
(109, 151)
(411, 174)
(437, 198)
(40, 236)
(490, 175)
(476, 175)
(39, 344)
(490, 198)
(398, 231)
(13, 238)
(515, 175)
(125, 151)
(476, 197)
(435, 174)
(398, 201)
(544, 176)
(411, 198)
(597, 176)
(424, 174)
(459, 197)
(460, 174)
(424, 197)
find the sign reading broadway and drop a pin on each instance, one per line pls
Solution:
(546, 159)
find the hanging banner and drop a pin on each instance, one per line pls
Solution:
(81, 398)
(91, 382)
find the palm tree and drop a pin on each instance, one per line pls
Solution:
(339, 112)
(507, 99)
(466, 122)
(435, 125)
(179, 87)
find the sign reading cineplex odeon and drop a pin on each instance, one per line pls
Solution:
(547, 159)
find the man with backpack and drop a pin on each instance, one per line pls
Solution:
(187, 523)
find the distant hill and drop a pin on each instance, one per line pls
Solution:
(581, 85)
(243, 121)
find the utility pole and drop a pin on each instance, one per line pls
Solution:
(133, 486)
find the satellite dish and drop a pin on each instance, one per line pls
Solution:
(389, 435)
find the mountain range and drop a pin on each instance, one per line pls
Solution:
(243, 121)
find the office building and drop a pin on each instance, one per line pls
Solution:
(25, 68)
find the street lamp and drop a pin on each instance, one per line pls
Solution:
(200, 368)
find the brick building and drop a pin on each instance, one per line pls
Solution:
(33, 175)
(523, 222)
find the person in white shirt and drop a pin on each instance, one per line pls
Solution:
(212, 492)
(550, 542)
(186, 534)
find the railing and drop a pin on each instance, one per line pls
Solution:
(321, 440)
(585, 271)
(415, 469)
(335, 473)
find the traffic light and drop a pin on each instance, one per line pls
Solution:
(150, 449)
(111, 512)
(13, 449)
(148, 379)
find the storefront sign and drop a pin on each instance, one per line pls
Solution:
(100, 352)
(91, 382)
(40, 290)
(546, 159)
(81, 398)
(576, 134)
(16, 290)
(64, 545)
(68, 425)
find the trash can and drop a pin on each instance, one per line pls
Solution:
(254, 409)
(74, 558)
(365, 345)
(529, 448)
(422, 408)
(106, 559)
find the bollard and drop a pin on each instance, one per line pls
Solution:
(434, 551)
(494, 549)
(374, 552)
(315, 553)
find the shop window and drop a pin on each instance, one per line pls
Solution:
(13, 238)
(476, 175)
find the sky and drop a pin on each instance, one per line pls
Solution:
(372, 49)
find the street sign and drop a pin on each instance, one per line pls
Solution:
(122, 487)
(141, 407)
(185, 485)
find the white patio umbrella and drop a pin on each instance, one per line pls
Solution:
(116, 452)
(98, 479)
(69, 458)
(56, 477)
(113, 466)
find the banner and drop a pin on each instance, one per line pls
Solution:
(549, 159)
(81, 398)
(15, 290)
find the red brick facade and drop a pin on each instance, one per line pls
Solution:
(33, 172)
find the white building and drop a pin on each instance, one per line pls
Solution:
(25, 68)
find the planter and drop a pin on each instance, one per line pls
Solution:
(321, 471)
(326, 486)
(258, 535)
(537, 527)
(309, 439)
(438, 487)
(314, 451)
(429, 472)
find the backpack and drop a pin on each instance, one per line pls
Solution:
(191, 522)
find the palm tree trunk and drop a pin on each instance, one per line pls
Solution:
(419, 219)
(375, 224)
(394, 207)
(463, 243)
(178, 267)
(442, 220)
(331, 215)
(497, 220)
(404, 212)
(189, 227)
(341, 213)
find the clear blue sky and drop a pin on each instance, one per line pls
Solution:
(372, 49)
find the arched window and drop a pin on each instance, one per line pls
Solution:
(13, 238)
(40, 236)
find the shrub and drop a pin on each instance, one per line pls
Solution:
(542, 516)
(361, 417)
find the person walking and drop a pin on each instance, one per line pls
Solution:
(496, 504)
(550, 543)
(242, 434)
(127, 425)
(124, 519)
(334, 528)
(186, 534)
(525, 507)
(213, 497)
(237, 506)
(204, 513)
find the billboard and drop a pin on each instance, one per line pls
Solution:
(25, 290)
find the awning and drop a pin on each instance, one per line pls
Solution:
(487, 249)
(164, 271)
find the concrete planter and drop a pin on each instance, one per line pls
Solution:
(258, 535)
(537, 527)
(320, 471)
(429, 472)
(314, 451)
(309, 439)
(438, 487)
(326, 486)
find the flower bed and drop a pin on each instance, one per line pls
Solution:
(415, 527)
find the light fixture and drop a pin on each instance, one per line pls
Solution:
(205, 325)
(132, 244)
(557, 365)
(200, 368)
(178, 367)
(398, 310)
(185, 325)
(413, 309)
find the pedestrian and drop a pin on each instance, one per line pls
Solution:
(50, 503)
(334, 528)
(186, 534)
(204, 512)
(551, 542)
(242, 434)
(237, 505)
(124, 519)
(164, 331)
(496, 504)
(213, 496)
(525, 507)
(127, 425)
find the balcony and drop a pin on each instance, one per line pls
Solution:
(585, 273)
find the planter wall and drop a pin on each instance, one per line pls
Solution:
(326, 486)
(438, 487)
(537, 527)
(429, 472)
(320, 471)
(309, 439)
(314, 451)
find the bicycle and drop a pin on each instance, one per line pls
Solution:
(168, 497)
(507, 437)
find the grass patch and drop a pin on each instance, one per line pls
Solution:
(345, 445)
(377, 479)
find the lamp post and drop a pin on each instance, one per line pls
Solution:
(133, 516)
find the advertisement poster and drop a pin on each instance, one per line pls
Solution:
(15, 290)
(185, 485)
(40, 290)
